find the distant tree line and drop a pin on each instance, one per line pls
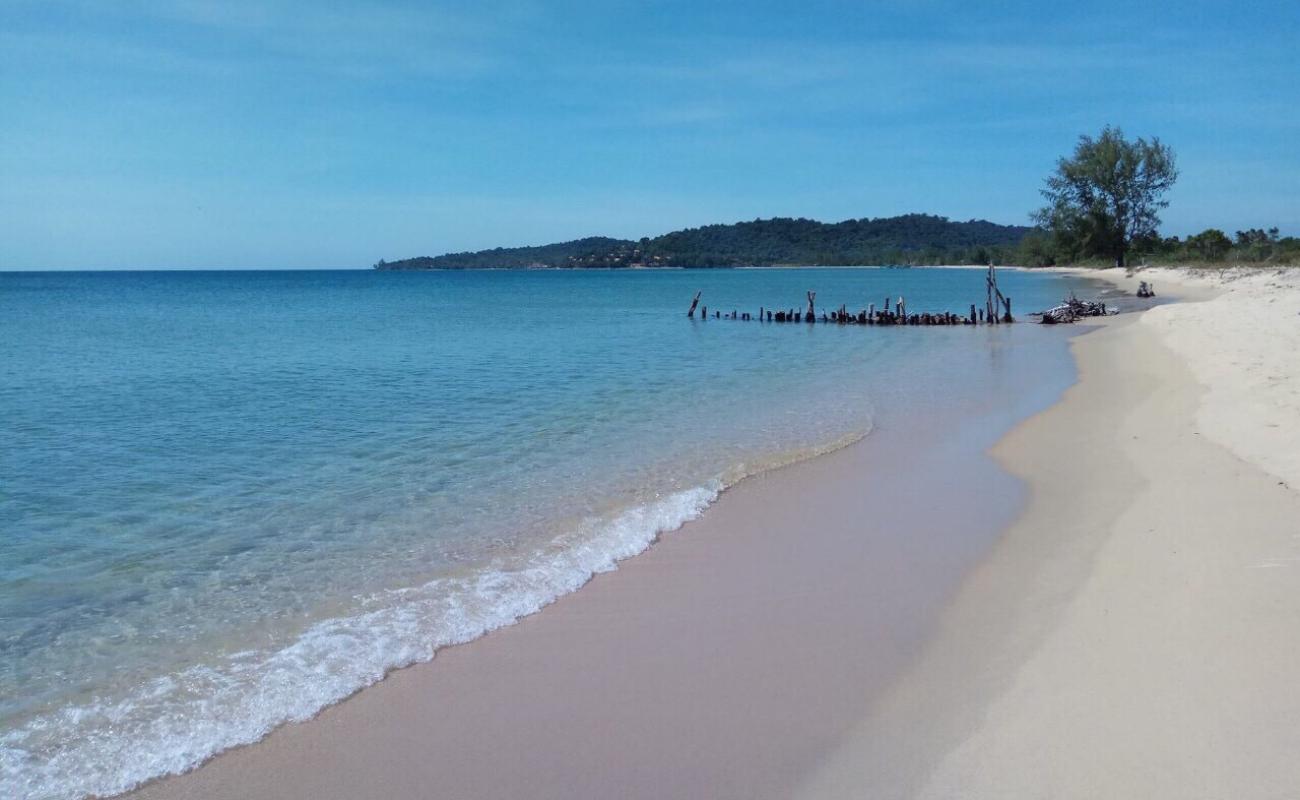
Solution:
(913, 239)
(592, 251)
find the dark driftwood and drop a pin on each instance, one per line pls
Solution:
(1073, 309)
(695, 302)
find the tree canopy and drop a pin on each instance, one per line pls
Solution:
(1107, 195)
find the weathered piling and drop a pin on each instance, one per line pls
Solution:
(996, 310)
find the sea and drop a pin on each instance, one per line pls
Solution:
(230, 499)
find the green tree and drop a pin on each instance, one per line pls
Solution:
(1036, 250)
(1107, 194)
(1211, 245)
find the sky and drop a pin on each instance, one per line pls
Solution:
(227, 133)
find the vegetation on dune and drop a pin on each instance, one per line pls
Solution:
(1213, 246)
(1107, 195)
(1103, 205)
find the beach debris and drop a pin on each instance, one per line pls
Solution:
(1073, 309)
(1146, 289)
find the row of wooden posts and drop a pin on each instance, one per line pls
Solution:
(997, 309)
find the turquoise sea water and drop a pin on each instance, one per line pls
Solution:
(230, 499)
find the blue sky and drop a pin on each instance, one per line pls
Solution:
(225, 133)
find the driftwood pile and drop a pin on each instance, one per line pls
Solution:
(1073, 309)
(1146, 290)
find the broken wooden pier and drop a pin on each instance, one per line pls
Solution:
(996, 311)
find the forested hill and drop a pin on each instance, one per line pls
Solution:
(910, 239)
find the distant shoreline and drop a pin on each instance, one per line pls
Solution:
(906, 240)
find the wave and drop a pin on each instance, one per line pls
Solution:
(172, 724)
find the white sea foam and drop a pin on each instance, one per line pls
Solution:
(172, 724)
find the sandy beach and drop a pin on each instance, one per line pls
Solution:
(1115, 619)
(1133, 634)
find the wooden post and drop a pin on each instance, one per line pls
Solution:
(811, 312)
(871, 314)
(691, 313)
(1007, 302)
(988, 296)
(704, 312)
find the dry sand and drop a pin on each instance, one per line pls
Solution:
(1137, 632)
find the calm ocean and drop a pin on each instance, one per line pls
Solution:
(228, 499)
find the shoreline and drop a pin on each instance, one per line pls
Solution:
(758, 633)
(1097, 641)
